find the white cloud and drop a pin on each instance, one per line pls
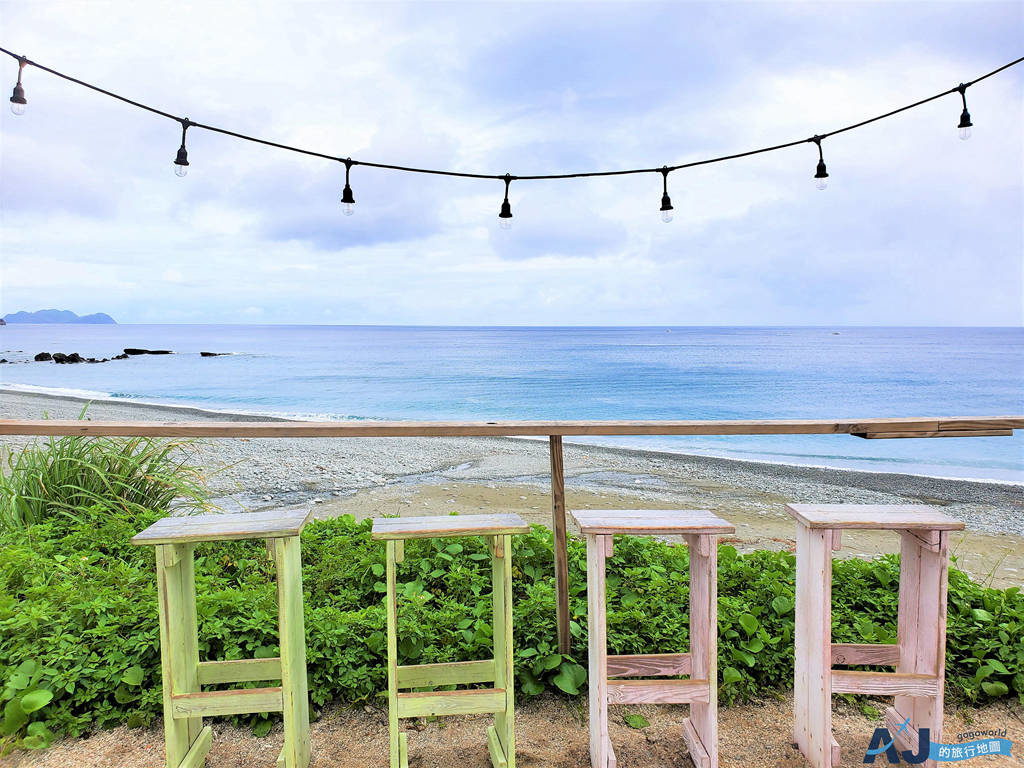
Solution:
(91, 208)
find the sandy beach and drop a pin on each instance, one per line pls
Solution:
(416, 476)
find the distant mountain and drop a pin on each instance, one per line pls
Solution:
(58, 316)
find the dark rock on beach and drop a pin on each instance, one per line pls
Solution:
(42, 357)
(213, 354)
(135, 351)
(122, 356)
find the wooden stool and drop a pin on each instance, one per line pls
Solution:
(185, 705)
(700, 730)
(501, 737)
(919, 654)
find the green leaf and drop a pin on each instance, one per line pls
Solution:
(998, 666)
(262, 728)
(377, 569)
(749, 623)
(782, 605)
(731, 675)
(743, 657)
(14, 718)
(569, 678)
(530, 684)
(636, 721)
(549, 662)
(980, 614)
(995, 689)
(18, 681)
(133, 675)
(35, 700)
(123, 694)
(755, 645)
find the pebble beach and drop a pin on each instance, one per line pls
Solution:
(368, 477)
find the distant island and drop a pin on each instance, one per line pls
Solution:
(58, 316)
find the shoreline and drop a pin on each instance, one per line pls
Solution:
(54, 394)
(374, 476)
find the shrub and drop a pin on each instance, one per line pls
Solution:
(82, 601)
(67, 475)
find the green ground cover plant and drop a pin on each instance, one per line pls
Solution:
(78, 602)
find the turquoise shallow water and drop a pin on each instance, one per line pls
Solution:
(578, 373)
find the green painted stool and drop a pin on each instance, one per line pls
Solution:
(501, 738)
(185, 704)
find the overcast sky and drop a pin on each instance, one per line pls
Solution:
(916, 227)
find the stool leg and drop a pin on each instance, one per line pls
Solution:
(292, 634)
(391, 606)
(813, 645)
(179, 643)
(922, 627)
(504, 722)
(704, 639)
(597, 649)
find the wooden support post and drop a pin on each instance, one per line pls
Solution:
(504, 672)
(704, 641)
(813, 645)
(179, 645)
(561, 553)
(598, 651)
(921, 629)
(293, 651)
(907, 617)
(391, 599)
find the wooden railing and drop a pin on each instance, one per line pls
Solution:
(886, 428)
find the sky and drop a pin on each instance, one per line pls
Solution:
(916, 227)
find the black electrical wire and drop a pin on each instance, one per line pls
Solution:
(503, 177)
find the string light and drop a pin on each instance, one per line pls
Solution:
(181, 161)
(18, 100)
(965, 116)
(505, 216)
(820, 174)
(347, 200)
(666, 202)
(18, 103)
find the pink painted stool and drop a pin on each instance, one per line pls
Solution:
(607, 686)
(919, 654)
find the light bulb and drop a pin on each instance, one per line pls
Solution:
(18, 109)
(821, 183)
(965, 132)
(666, 216)
(180, 170)
(348, 208)
(505, 223)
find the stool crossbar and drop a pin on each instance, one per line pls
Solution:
(920, 651)
(498, 699)
(187, 741)
(614, 679)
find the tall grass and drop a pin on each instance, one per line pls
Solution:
(81, 477)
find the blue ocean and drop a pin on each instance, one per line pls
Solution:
(363, 372)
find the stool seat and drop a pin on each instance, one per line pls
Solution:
(874, 516)
(393, 528)
(647, 522)
(186, 529)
